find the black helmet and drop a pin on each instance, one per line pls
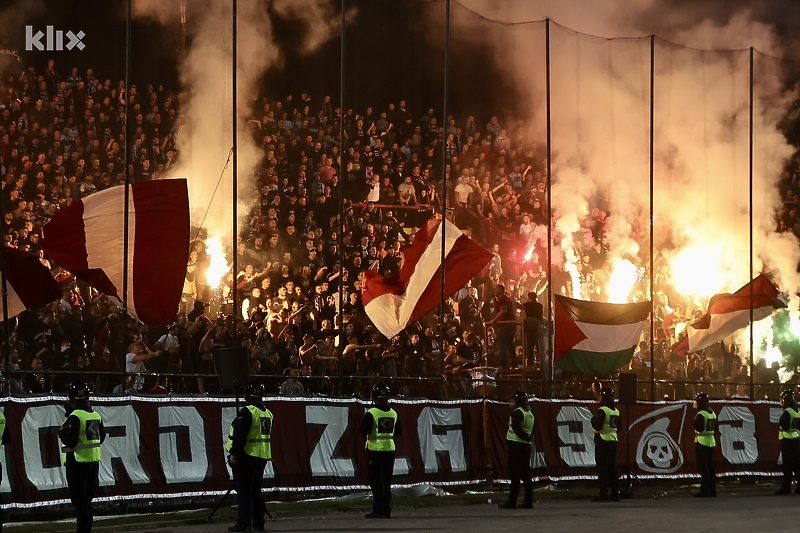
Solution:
(78, 392)
(380, 391)
(254, 393)
(787, 395)
(701, 398)
(520, 396)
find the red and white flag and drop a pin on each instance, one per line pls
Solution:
(394, 303)
(728, 313)
(87, 238)
(29, 284)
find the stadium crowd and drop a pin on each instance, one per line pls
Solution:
(62, 137)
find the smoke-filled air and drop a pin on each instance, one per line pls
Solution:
(206, 74)
(600, 61)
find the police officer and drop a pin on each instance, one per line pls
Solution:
(380, 425)
(605, 423)
(81, 436)
(789, 436)
(518, 439)
(250, 449)
(705, 424)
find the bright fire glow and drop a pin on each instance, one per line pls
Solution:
(695, 273)
(623, 278)
(218, 265)
(529, 255)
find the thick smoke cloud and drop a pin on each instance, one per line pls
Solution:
(600, 119)
(206, 136)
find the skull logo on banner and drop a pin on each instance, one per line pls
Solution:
(658, 451)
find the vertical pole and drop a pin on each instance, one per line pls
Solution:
(444, 188)
(549, 176)
(235, 180)
(4, 289)
(126, 214)
(652, 217)
(340, 325)
(750, 178)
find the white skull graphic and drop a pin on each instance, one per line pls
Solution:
(659, 451)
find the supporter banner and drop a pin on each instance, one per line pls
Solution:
(169, 447)
(660, 438)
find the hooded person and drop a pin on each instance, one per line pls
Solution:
(81, 435)
(380, 426)
(249, 446)
(605, 423)
(518, 439)
(705, 425)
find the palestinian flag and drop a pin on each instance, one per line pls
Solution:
(594, 337)
(728, 313)
(394, 303)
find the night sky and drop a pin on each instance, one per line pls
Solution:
(386, 57)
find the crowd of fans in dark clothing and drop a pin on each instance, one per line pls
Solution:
(328, 208)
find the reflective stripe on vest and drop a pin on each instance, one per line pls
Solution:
(794, 425)
(88, 448)
(527, 426)
(2, 431)
(610, 424)
(381, 435)
(706, 437)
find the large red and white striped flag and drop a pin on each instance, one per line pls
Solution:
(728, 313)
(87, 238)
(28, 282)
(394, 303)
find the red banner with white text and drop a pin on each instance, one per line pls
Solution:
(160, 447)
(655, 439)
(174, 447)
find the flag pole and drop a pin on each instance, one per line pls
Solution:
(550, 327)
(235, 180)
(652, 216)
(444, 192)
(126, 210)
(340, 325)
(6, 332)
(750, 163)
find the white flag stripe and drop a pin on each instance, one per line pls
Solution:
(104, 229)
(15, 305)
(723, 325)
(604, 338)
(389, 312)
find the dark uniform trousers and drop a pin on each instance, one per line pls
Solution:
(790, 452)
(381, 466)
(82, 482)
(248, 475)
(605, 456)
(705, 465)
(519, 467)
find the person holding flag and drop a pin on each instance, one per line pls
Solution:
(705, 424)
(518, 439)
